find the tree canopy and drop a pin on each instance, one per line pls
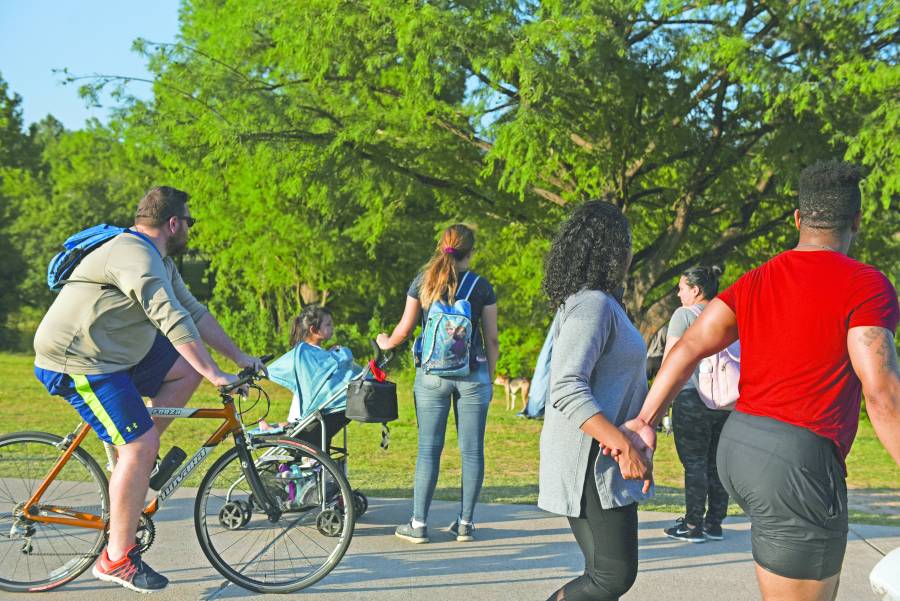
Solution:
(327, 143)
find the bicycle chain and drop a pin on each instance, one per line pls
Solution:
(90, 509)
(145, 525)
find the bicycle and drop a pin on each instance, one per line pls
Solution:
(272, 515)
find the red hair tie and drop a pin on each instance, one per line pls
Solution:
(449, 250)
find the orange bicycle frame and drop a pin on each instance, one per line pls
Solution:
(51, 514)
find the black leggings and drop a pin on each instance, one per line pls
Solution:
(608, 540)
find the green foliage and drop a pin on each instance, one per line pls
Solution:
(325, 145)
(86, 177)
(18, 157)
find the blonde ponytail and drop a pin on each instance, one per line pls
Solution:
(441, 276)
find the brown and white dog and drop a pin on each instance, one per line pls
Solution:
(513, 387)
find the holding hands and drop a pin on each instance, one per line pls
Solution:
(636, 458)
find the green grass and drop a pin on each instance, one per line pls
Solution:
(511, 446)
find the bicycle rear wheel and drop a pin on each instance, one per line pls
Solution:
(301, 542)
(37, 556)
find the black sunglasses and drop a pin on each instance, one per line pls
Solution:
(190, 220)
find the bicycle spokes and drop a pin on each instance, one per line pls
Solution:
(36, 554)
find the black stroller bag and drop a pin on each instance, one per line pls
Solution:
(371, 401)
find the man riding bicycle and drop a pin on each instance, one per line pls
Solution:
(124, 327)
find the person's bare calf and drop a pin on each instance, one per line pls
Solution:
(128, 486)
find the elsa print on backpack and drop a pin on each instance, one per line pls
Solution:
(447, 333)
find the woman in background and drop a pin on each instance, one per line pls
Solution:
(696, 426)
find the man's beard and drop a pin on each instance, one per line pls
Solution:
(176, 246)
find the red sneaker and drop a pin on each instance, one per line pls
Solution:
(130, 571)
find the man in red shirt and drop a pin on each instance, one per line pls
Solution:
(816, 329)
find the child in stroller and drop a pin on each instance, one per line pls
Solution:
(318, 378)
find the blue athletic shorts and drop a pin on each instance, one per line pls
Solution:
(112, 403)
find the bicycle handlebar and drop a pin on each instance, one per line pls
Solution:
(246, 376)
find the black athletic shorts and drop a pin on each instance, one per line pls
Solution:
(791, 483)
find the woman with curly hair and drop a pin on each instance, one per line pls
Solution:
(597, 382)
(447, 277)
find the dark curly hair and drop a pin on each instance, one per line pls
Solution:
(829, 195)
(590, 252)
(704, 277)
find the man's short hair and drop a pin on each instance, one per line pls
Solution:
(829, 195)
(159, 205)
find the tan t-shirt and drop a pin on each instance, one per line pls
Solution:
(106, 317)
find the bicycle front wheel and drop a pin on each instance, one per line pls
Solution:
(38, 556)
(301, 538)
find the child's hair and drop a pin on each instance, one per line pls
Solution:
(310, 316)
(440, 277)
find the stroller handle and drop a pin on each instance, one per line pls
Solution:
(381, 358)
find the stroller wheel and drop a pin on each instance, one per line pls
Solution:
(234, 515)
(330, 522)
(360, 503)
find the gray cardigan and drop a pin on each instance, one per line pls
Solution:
(598, 365)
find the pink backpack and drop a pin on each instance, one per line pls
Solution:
(718, 375)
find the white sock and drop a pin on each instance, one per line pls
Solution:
(416, 523)
(463, 522)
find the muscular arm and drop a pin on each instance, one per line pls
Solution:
(874, 359)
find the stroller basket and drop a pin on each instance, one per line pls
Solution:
(371, 401)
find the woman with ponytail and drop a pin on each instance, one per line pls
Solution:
(444, 279)
(696, 426)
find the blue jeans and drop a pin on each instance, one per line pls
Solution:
(433, 394)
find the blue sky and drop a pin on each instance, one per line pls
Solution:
(87, 36)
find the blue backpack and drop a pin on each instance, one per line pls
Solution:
(447, 333)
(77, 247)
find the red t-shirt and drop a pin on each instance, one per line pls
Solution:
(793, 314)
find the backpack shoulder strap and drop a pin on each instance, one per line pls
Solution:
(474, 281)
(144, 238)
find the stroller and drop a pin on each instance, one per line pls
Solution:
(320, 380)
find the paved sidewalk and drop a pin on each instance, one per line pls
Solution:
(521, 553)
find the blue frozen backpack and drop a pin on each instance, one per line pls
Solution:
(447, 333)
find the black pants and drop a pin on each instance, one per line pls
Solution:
(697, 429)
(608, 540)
